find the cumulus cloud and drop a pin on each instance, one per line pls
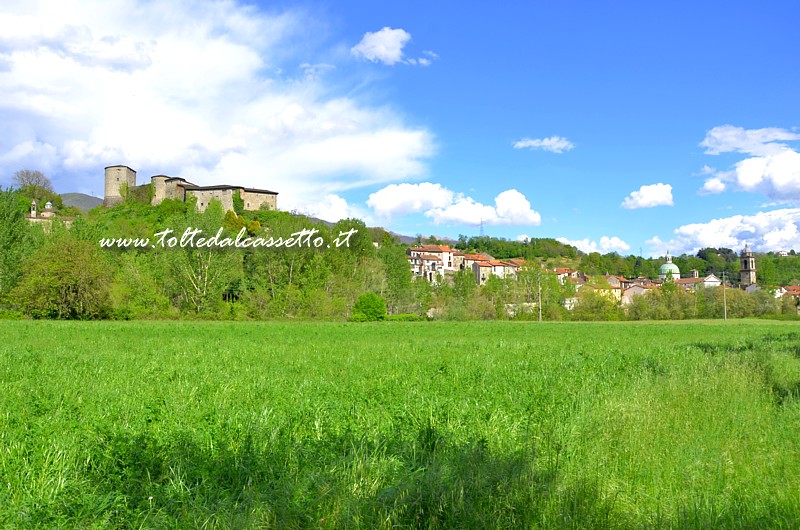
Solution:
(713, 185)
(386, 47)
(763, 231)
(649, 196)
(606, 245)
(214, 92)
(774, 170)
(554, 144)
(402, 199)
(511, 208)
(444, 206)
(776, 176)
(332, 208)
(523, 238)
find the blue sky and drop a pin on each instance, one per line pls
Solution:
(615, 126)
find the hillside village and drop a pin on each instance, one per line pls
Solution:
(438, 263)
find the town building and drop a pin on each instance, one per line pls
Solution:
(46, 217)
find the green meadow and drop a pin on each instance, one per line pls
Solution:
(386, 425)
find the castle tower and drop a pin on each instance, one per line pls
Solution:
(159, 183)
(747, 270)
(33, 209)
(116, 178)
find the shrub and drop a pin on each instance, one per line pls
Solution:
(8, 314)
(368, 307)
(404, 317)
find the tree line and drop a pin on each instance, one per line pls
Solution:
(49, 271)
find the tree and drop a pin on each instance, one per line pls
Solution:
(368, 307)
(595, 304)
(198, 276)
(36, 186)
(399, 294)
(68, 279)
(764, 303)
(12, 240)
(27, 178)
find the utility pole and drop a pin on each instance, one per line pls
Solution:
(539, 285)
(724, 299)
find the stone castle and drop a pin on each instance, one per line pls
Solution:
(121, 180)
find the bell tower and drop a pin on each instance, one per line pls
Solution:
(747, 270)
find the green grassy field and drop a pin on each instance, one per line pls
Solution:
(436, 425)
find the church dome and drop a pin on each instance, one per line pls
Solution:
(668, 269)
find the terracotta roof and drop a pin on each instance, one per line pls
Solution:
(793, 290)
(430, 257)
(435, 248)
(478, 257)
(482, 264)
(639, 286)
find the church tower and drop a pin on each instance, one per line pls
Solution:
(747, 271)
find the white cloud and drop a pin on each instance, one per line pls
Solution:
(445, 206)
(613, 244)
(649, 196)
(402, 199)
(523, 237)
(763, 231)
(606, 245)
(776, 176)
(705, 170)
(774, 171)
(713, 185)
(759, 142)
(332, 208)
(554, 144)
(386, 47)
(189, 90)
(511, 208)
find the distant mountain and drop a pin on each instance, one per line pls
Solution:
(81, 201)
(410, 240)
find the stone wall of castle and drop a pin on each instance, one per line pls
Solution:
(225, 196)
(255, 201)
